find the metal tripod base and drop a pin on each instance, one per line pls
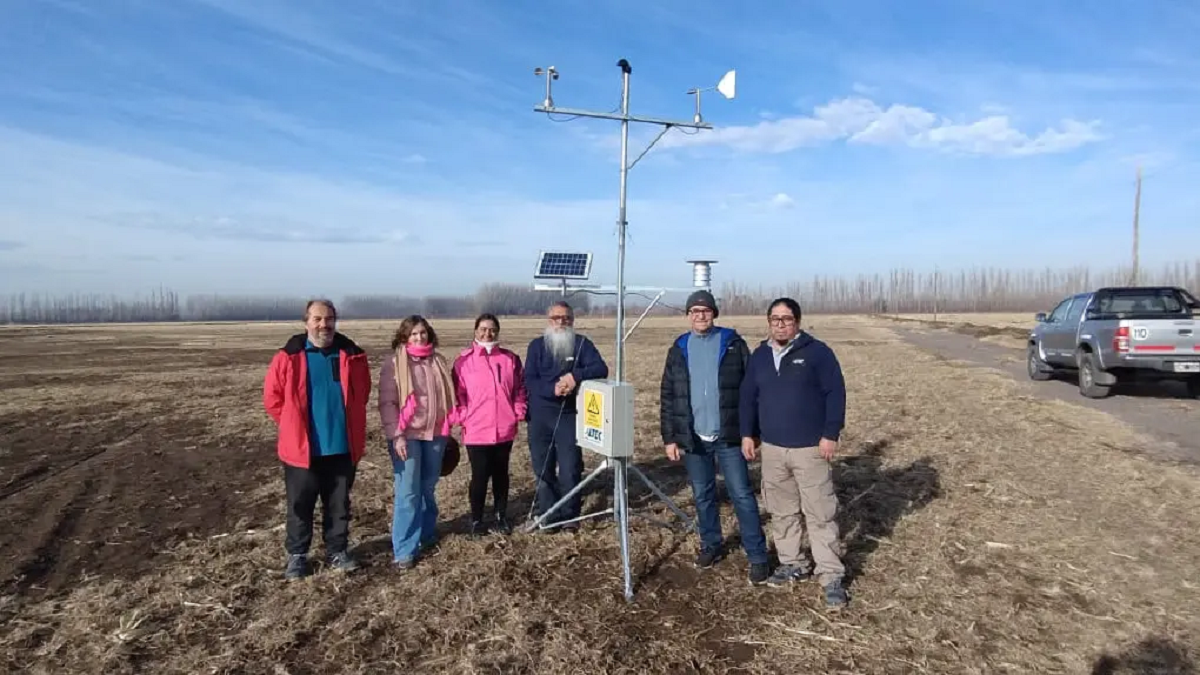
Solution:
(621, 467)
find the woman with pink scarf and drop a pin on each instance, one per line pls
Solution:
(417, 405)
(491, 402)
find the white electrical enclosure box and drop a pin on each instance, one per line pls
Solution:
(604, 421)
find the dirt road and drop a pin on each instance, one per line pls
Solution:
(1160, 410)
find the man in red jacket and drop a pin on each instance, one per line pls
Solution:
(316, 390)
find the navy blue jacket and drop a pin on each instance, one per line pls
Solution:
(800, 404)
(541, 373)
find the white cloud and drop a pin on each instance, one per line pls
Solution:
(256, 227)
(782, 201)
(746, 204)
(369, 40)
(860, 120)
(995, 136)
(98, 219)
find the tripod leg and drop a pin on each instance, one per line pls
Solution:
(663, 497)
(574, 491)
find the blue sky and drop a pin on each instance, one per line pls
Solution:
(264, 146)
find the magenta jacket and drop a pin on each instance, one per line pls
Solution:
(491, 394)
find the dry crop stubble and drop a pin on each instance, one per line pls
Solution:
(1018, 320)
(985, 531)
(1002, 329)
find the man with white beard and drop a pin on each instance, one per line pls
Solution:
(555, 364)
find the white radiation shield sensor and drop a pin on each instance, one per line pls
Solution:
(728, 84)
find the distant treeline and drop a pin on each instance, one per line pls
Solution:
(899, 291)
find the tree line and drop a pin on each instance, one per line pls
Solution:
(900, 291)
(990, 289)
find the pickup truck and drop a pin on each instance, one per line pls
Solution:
(1118, 334)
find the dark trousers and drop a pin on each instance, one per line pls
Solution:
(557, 462)
(489, 463)
(330, 479)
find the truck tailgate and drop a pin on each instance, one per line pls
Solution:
(1165, 338)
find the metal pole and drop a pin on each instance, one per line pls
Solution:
(620, 487)
(621, 480)
(1137, 207)
(621, 223)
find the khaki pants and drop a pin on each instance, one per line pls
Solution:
(799, 481)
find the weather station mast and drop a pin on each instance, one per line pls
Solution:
(605, 423)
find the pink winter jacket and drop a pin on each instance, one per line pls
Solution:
(395, 417)
(491, 394)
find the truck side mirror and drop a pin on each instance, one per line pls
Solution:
(1040, 317)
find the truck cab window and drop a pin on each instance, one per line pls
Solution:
(1060, 312)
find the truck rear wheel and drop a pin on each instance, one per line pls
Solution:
(1087, 377)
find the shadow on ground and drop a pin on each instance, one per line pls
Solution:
(874, 499)
(1157, 656)
(1161, 389)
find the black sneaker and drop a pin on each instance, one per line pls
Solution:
(709, 557)
(297, 567)
(759, 573)
(502, 526)
(786, 574)
(342, 562)
(835, 595)
(478, 529)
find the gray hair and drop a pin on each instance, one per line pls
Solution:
(565, 305)
(319, 301)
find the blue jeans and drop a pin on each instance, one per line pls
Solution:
(414, 507)
(701, 463)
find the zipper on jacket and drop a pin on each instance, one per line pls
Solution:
(495, 387)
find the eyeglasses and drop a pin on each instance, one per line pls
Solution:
(560, 318)
(781, 320)
(700, 311)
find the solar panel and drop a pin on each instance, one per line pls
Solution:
(560, 265)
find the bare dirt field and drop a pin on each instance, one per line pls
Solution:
(987, 530)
